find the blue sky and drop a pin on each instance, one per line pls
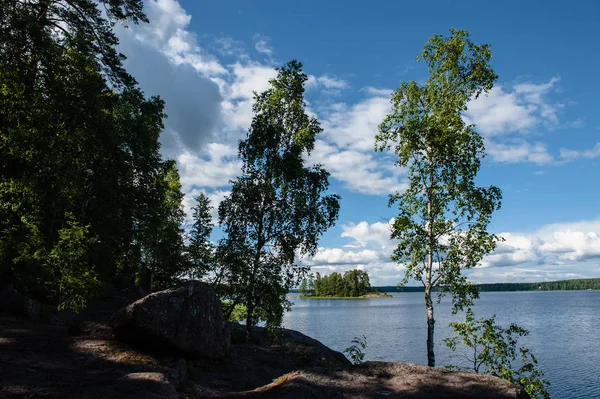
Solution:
(540, 123)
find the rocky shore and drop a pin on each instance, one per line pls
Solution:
(176, 344)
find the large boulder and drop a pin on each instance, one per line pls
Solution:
(187, 320)
(16, 304)
(303, 350)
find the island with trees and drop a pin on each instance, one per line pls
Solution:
(353, 284)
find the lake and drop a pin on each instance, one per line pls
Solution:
(564, 330)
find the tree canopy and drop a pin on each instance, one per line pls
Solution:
(352, 284)
(443, 215)
(278, 208)
(84, 193)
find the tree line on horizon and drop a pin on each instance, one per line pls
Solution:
(560, 285)
(86, 198)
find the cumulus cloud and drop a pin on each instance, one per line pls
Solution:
(192, 102)
(168, 32)
(215, 197)
(346, 147)
(572, 155)
(507, 115)
(213, 170)
(202, 95)
(518, 150)
(239, 93)
(355, 126)
(517, 110)
(373, 91)
(327, 82)
(555, 251)
(364, 233)
(362, 172)
(340, 256)
(261, 44)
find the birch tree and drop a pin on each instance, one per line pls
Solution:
(443, 215)
(279, 207)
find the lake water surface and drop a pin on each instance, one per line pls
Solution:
(564, 330)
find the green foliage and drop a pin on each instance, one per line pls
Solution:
(355, 352)
(161, 243)
(496, 352)
(79, 142)
(443, 216)
(73, 280)
(277, 207)
(238, 313)
(353, 284)
(200, 250)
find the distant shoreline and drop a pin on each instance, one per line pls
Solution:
(583, 284)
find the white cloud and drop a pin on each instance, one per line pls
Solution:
(261, 44)
(214, 170)
(215, 197)
(552, 252)
(339, 256)
(167, 32)
(364, 233)
(518, 150)
(355, 126)
(363, 172)
(373, 91)
(572, 155)
(520, 110)
(239, 93)
(327, 82)
(507, 114)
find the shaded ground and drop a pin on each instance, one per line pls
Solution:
(384, 379)
(43, 360)
(40, 360)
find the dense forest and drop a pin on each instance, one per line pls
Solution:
(352, 284)
(575, 284)
(87, 200)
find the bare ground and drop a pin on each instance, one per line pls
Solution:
(39, 360)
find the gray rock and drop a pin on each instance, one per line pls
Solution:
(177, 370)
(394, 380)
(187, 320)
(69, 319)
(304, 350)
(16, 304)
(146, 385)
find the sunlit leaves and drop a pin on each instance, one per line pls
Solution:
(443, 215)
(495, 350)
(278, 208)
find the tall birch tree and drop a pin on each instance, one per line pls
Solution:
(279, 207)
(443, 215)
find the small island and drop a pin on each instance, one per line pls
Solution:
(354, 284)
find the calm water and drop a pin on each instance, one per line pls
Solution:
(564, 330)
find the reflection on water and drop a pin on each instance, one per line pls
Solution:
(564, 330)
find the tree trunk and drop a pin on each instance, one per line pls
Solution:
(249, 311)
(429, 271)
(250, 299)
(430, 327)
